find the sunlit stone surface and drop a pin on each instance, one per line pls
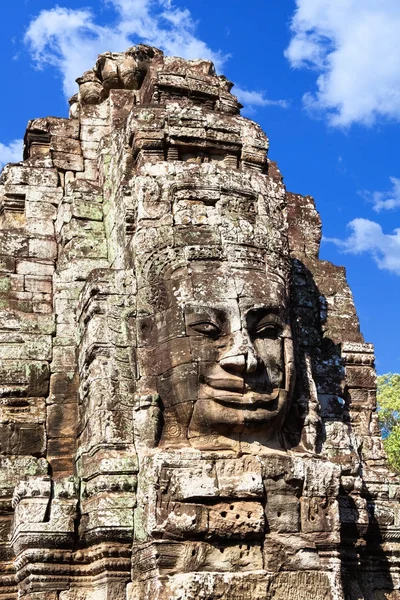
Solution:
(187, 404)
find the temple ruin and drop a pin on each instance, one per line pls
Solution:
(188, 406)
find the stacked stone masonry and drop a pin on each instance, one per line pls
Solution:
(187, 405)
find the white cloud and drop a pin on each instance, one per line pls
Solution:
(367, 236)
(388, 200)
(71, 39)
(256, 98)
(353, 47)
(11, 152)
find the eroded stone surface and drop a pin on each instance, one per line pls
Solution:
(187, 406)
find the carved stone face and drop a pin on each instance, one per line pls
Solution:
(222, 354)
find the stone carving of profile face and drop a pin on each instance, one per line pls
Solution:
(221, 355)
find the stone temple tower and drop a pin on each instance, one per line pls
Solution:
(187, 406)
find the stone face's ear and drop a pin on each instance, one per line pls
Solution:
(130, 334)
(147, 421)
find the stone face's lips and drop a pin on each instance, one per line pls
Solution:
(230, 384)
(235, 391)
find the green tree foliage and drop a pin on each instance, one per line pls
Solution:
(389, 416)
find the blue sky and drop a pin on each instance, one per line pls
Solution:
(322, 77)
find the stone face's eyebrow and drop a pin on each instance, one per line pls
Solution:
(195, 314)
(253, 314)
(194, 311)
(261, 309)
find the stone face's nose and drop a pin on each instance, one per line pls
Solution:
(241, 357)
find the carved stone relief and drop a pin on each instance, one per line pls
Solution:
(187, 405)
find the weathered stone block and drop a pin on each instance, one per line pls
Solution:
(239, 478)
(25, 347)
(64, 358)
(22, 410)
(360, 377)
(236, 520)
(24, 378)
(291, 552)
(282, 513)
(61, 420)
(7, 264)
(198, 480)
(22, 175)
(40, 210)
(302, 586)
(64, 145)
(23, 439)
(14, 244)
(180, 520)
(35, 267)
(68, 161)
(319, 515)
(40, 227)
(63, 387)
(42, 248)
(59, 449)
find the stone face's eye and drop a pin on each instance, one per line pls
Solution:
(206, 328)
(270, 326)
